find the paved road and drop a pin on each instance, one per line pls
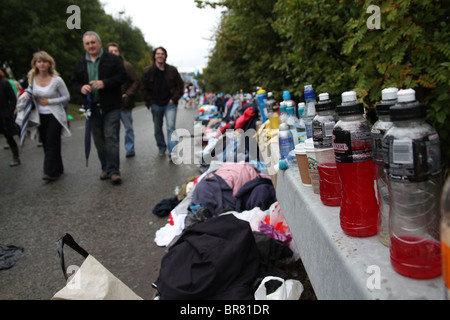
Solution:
(113, 223)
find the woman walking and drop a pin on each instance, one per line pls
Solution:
(50, 93)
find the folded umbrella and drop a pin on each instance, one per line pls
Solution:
(87, 135)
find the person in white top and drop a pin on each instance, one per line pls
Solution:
(51, 94)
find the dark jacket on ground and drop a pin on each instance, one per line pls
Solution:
(111, 72)
(173, 79)
(7, 106)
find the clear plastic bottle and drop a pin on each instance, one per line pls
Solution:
(270, 103)
(287, 99)
(379, 155)
(445, 237)
(291, 121)
(283, 113)
(353, 154)
(310, 110)
(285, 141)
(289, 162)
(301, 128)
(415, 184)
(323, 126)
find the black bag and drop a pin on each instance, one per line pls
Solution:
(216, 259)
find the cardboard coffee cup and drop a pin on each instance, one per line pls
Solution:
(303, 164)
(313, 170)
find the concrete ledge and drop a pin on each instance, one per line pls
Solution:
(337, 264)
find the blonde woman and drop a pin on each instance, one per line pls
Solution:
(50, 93)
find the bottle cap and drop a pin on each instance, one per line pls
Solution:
(286, 95)
(389, 96)
(406, 95)
(270, 95)
(309, 92)
(407, 107)
(324, 96)
(349, 97)
(350, 104)
(301, 108)
(325, 103)
(282, 165)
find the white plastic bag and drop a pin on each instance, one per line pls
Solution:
(289, 290)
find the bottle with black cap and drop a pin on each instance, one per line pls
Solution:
(353, 154)
(379, 129)
(322, 126)
(415, 185)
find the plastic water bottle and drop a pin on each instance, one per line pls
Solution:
(301, 128)
(283, 113)
(287, 99)
(285, 140)
(289, 162)
(445, 237)
(353, 154)
(310, 111)
(270, 103)
(291, 121)
(323, 126)
(415, 184)
(379, 156)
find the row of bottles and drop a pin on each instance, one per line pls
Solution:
(386, 178)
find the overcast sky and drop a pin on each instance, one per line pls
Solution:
(177, 25)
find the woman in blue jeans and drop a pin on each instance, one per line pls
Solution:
(162, 87)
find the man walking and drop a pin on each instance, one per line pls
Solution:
(102, 74)
(162, 87)
(129, 90)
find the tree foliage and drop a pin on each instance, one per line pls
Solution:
(286, 44)
(27, 26)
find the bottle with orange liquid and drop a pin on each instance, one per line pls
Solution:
(353, 154)
(445, 237)
(415, 185)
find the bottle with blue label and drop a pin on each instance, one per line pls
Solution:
(301, 128)
(310, 110)
(285, 141)
(415, 185)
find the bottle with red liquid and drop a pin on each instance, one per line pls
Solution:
(353, 153)
(415, 185)
(322, 127)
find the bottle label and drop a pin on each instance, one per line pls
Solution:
(377, 144)
(323, 134)
(352, 147)
(413, 160)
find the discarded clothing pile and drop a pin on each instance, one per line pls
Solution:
(225, 236)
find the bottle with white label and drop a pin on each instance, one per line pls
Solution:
(415, 185)
(379, 129)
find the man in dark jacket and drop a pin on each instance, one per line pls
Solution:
(129, 90)
(162, 87)
(102, 74)
(7, 125)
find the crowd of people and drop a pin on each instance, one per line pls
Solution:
(110, 84)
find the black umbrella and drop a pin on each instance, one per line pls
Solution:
(87, 135)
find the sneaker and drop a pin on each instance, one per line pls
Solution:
(130, 155)
(116, 179)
